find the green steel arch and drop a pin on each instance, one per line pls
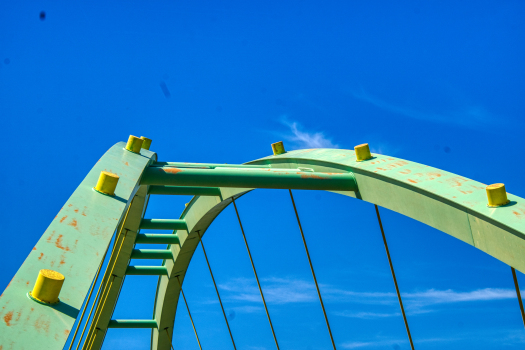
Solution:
(76, 241)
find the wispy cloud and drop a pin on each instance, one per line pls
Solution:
(469, 115)
(276, 290)
(366, 344)
(290, 290)
(393, 343)
(306, 139)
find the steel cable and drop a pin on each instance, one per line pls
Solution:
(216, 289)
(312, 269)
(189, 313)
(255, 273)
(394, 277)
(518, 294)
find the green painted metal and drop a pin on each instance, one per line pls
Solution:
(146, 270)
(76, 239)
(132, 324)
(151, 254)
(250, 178)
(157, 238)
(181, 190)
(206, 165)
(163, 224)
(73, 245)
(445, 201)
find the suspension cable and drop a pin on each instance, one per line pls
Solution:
(87, 301)
(99, 294)
(255, 273)
(518, 294)
(216, 289)
(312, 269)
(189, 313)
(394, 277)
(169, 338)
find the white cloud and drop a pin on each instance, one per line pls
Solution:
(469, 115)
(290, 290)
(305, 139)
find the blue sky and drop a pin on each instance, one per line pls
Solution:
(436, 82)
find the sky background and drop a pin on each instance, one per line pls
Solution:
(436, 82)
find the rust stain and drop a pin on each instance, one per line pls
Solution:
(126, 163)
(8, 317)
(407, 171)
(73, 223)
(62, 260)
(70, 205)
(58, 243)
(18, 315)
(34, 248)
(465, 192)
(41, 324)
(76, 210)
(456, 181)
(66, 333)
(311, 176)
(413, 181)
(171, 170)
(518, 214)
(27, 282)
(41, 255)
(64, 218)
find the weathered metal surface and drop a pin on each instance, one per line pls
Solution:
(206, 165)
(451, 203)
(116, 272)
(73, 245)
(250, 178)
(184, 190)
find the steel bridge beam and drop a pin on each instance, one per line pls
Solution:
(250, 178)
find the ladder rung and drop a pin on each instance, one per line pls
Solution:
(163, 224)
(151, 254)
(147, 270)
(185, 190)
(132, 324)
(156, 238)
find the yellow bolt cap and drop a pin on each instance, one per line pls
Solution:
(47, 287)
(497, 195)
(134, 144)
(107, 182)
(362, 152)
(146, 142)
(278, 148)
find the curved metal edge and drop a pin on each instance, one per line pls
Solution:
(448, 202)
(73, 244)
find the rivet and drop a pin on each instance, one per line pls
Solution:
(107, 182)
(146, 142)
(134, 144)
(47, 287)
(362, 152)
(278, 148)
(496, 195)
